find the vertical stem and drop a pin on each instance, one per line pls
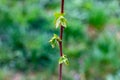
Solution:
(62, 6)
(60, 43)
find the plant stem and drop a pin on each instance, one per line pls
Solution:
(60, 43)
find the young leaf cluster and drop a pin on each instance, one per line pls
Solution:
(63, 59)
(54, 40)
(60, 20)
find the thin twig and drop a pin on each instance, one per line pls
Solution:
(60, 43)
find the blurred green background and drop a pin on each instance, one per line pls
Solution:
(91, 40)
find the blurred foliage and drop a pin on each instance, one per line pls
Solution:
(27, 25)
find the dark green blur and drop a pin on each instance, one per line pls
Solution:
(91, 40)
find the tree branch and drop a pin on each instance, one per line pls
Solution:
(60, 43)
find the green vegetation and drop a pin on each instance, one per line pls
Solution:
(91, 40)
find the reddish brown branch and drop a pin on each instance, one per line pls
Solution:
(60, 43)
(62, 6)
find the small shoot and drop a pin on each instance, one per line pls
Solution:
(60, 20)
(63, 59)
(54, 40)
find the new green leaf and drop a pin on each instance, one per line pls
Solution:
(53, 41)
(60, 20)
(63, 59)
